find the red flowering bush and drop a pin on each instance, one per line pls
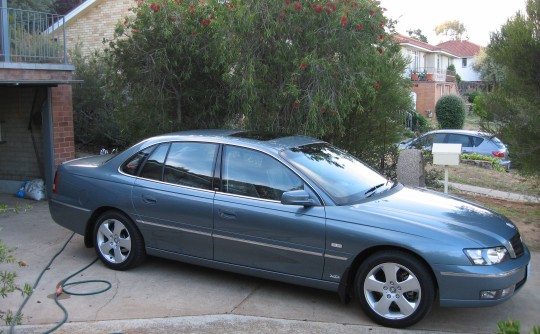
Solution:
(322, 68)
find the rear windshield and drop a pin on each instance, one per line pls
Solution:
(497, 142)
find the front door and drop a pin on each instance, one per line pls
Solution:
(251, 226)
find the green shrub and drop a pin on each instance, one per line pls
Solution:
(450, 112)
(420, 123)
(471, 96)
(495, 162)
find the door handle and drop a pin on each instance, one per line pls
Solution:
(227, 215)
(149, 199)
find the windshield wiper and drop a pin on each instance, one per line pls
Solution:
(371, 190)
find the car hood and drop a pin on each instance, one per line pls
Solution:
(431, 215)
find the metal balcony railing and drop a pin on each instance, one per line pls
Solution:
(32, 37)
(432, 74)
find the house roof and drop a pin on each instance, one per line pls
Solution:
(426, 47)
(463, 49)
(80, 9)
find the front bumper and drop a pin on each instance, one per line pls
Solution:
(478, 286)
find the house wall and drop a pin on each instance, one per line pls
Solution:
(428, 93)
(466, 73)
(96, 23)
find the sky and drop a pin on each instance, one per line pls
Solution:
(480, 17)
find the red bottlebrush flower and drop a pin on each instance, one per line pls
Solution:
(296, 104)
(22, 264)
(381, 24)
(303, 66)
(191, 5)
(135, 30)
(288, 2)
(359, 27)
(332, 113)
(192, 12)
(323, 110)
(381, 37)
(380, 50)
(158, 7)
(334, 74)
(297, 6)
(153, 6)
(371, 12)
(344, 21)
(376, 86)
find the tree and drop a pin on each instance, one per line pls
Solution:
(514, 103)
(490, 72)
(325, 69)
(63, 7)
(417, 34)
(46, 6)
(165, 70)
(454, 29)
(328, 70)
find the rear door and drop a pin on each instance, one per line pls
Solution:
(251, 226)
(173, 198)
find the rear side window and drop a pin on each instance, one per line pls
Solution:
(464, 140)
(190, 164)
(133, 165)
(153, 168)
(477, 141)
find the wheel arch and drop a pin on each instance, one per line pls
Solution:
(89, 230)
(346, 287)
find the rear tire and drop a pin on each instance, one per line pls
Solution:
(118, 242)
(394, 289)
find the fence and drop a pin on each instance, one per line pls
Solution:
(32, 37)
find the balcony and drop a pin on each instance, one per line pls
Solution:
(431, 74)
(32, 40)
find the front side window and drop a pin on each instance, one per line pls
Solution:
(190, 164)
(254, 174)
(343, 177)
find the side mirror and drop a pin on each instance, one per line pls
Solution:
(297, 197)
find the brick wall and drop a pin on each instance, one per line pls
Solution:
(428, 93)
(96, 23)
(62, 123)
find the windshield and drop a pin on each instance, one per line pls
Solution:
(344, 178)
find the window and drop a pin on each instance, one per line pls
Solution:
(132, 166)
(153, 167)
(255, 174)
(464, 140)
(464, 62)
(190, 164)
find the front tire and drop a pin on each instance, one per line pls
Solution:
(118, 242)
(394, 289)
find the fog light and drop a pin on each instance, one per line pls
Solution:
(488, 294)
(497, 294)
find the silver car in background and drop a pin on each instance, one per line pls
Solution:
(471, 142)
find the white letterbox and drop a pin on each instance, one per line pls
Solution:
(446, 154)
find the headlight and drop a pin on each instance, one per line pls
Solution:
(487, 256)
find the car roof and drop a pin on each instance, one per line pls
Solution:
(255, 139)
(463, 132)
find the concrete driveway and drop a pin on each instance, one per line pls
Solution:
(163, 296)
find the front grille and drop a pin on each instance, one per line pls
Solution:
(517, 245)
